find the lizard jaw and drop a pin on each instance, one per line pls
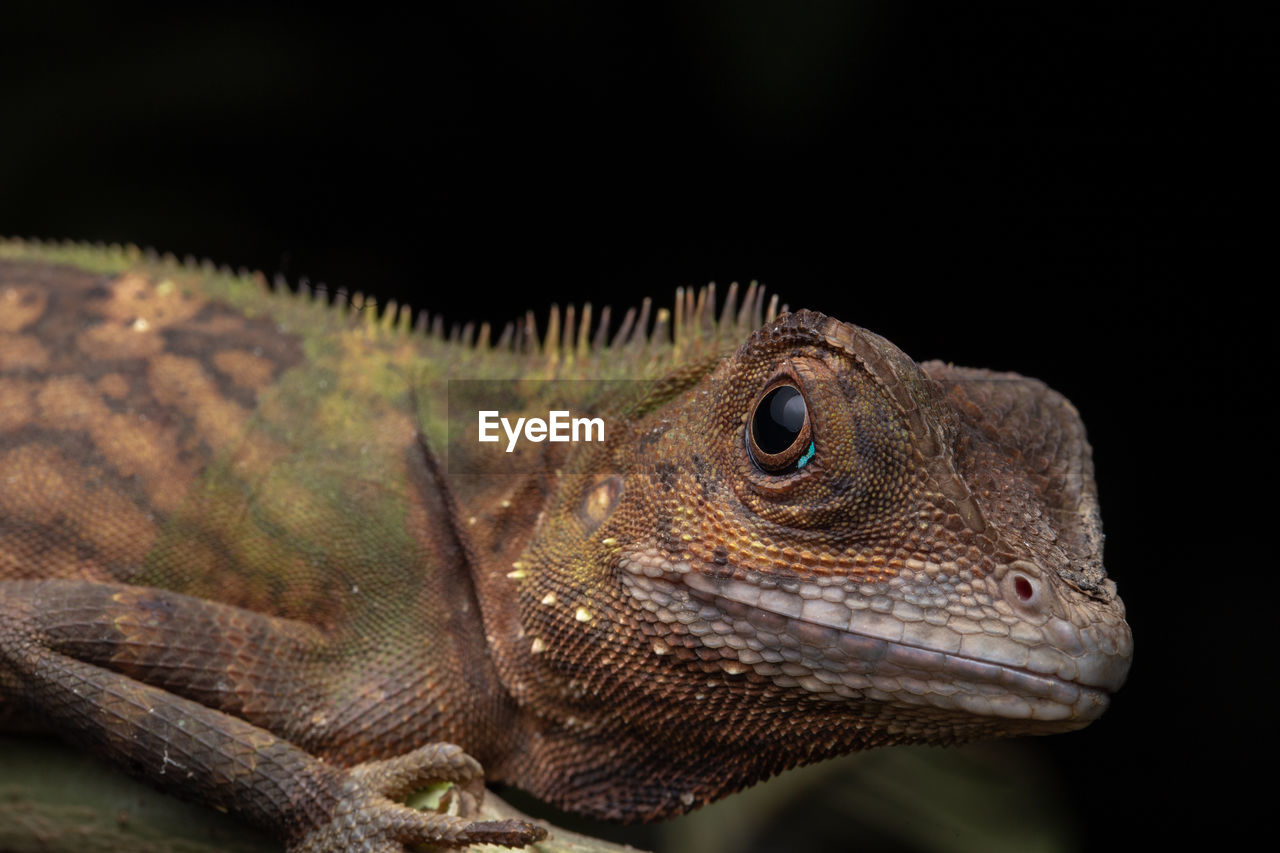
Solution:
(841, 640)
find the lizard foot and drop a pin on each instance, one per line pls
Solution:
(368, 817)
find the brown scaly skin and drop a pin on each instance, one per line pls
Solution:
(231, 562)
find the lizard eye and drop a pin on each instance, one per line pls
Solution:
(779, 437)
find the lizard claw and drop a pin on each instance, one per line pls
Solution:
(368, 817)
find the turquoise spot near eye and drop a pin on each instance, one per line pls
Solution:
(808, 455)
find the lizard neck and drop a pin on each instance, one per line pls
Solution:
(569, 744)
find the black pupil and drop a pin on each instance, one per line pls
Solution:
(778, 419)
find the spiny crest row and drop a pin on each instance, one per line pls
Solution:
(694, 320)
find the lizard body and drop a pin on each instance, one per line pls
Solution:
(251, 550)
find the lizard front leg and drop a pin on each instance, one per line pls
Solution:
(58, 643)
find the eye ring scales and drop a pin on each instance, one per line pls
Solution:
(779, 433)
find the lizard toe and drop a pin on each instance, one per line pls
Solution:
(424, 768)
(370, 815)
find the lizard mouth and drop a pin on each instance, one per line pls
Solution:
(1054, 676)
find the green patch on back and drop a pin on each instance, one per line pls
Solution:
(306, 515)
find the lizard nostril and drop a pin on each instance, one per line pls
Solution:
(1023, 588)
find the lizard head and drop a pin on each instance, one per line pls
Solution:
(817, 545)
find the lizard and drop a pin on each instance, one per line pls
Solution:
(253, 552)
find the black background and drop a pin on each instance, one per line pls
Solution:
(1047, 189)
